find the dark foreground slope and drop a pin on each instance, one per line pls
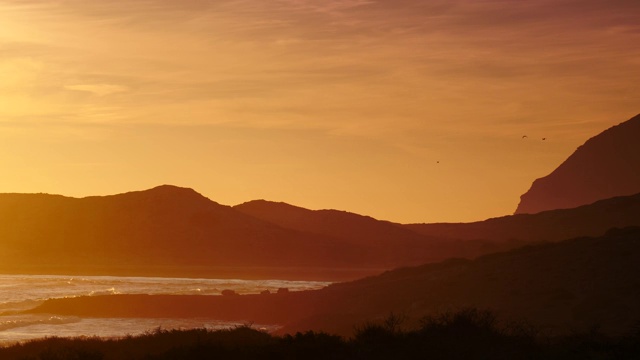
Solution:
(570, 285)
(573, 284)
(605, 166)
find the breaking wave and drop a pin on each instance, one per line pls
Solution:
(12, 322)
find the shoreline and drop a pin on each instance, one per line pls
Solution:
(192, 272)
(272, 309)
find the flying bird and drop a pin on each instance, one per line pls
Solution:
(524, 136)
(544, 138)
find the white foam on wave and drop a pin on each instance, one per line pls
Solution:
(12, 322)
(110, 291)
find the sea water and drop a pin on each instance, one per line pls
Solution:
(23, 292)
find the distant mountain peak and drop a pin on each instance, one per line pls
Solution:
(604, 166)
(172, 189)
(263, 202)
(171, 194)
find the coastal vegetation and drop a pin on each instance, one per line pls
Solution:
(466, 334)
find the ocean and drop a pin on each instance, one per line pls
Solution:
(22, 292)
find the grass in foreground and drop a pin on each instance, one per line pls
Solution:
(468, 334)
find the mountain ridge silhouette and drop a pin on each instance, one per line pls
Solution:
(173, 231)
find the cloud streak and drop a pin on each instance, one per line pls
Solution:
(312, 55)
(98, 89)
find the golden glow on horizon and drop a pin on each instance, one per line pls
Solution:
(324, 104)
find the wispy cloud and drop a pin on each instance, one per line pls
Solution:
(347, 66)
(98, 89)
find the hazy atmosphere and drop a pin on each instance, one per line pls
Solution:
(411, 111)
(319, 179)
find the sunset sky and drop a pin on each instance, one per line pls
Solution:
(344, 104)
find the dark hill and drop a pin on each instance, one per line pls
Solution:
(570, 285)
(358, 229)
(574, 284)
(174, 231)
(163, 231)
(587, 220)
(607, 165)
(368, 234)
(466, 240)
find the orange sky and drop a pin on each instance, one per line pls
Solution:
(345, 104)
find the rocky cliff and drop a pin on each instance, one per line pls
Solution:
(606, 166)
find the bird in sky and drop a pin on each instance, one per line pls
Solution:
(524, 136)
